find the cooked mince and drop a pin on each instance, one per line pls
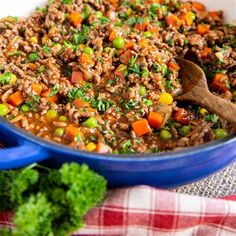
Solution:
(102, 76)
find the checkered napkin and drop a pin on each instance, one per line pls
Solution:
(146, 211)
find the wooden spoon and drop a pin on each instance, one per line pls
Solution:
(195, 89)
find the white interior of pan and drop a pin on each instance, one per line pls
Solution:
(25, 7)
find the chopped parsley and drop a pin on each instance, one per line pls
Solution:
(147, 102)
(212, 118)
(152, 11)
(55, 90)
(102, 104)
(33, 102)
(126, 147)
(66, 1)
(169, 85)
(155, 150)
(131, 104)
(80, 93)
(80, 38)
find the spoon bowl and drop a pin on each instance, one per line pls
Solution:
(195, 89)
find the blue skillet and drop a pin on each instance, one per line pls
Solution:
(163, 170)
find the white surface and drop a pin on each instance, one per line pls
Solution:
(25, 7)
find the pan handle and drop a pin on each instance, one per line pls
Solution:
(24, 154)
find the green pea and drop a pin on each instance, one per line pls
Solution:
(147, 34)
(220, 133)
(142, 91)
(107, 49)
(59, 132)
(165, 135)
(88, 50)
(98, 14)
(4, 110)
(33, 57)
(185, 130)
(118, 43)
(91, 122)
(25, 108)
(63, 118)
(51, 114)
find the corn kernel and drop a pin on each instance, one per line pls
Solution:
(166, 98)
(91, 147)
(129, 11)
(13, 79)
(203, 112)
(34, 39)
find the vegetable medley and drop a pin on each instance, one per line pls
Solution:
(101, 76)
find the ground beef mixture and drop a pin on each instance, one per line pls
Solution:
(101, 75)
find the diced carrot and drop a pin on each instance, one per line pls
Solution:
(155, 1)
(51, 99)
(186, 6)
(120, 71)
(103, 148)
(181, 116)
(114, 34)
(77, 76)
(203, 29)
(154, 30)
(197, 6)
(79, 103)
(71, 132)
(155, 119)
(32, 66)
(187, 18)
(141, 26)
(114, 3)
(205, 53)
(129, 44)
(214, 14)
(219, 82)
(125, 57)
(75, 18)
(141, 127)
(37, 88)
(143, 43)
(86, 59)
(174, 21)
(174, 66)
(16, 99)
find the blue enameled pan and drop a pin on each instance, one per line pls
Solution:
(163, 170)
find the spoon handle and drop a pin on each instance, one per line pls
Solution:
(219, 106)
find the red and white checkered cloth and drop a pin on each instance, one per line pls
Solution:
(147, 211)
